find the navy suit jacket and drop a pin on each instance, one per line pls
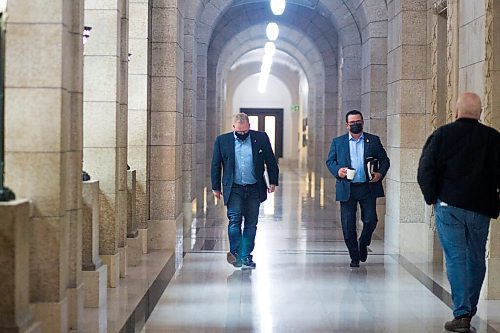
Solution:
(339, 157)
(223, 163)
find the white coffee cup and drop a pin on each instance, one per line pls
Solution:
(350, 173)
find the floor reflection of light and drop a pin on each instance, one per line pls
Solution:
(313, 185)
(193, 235)
(269, 204)
(322, 192)
(205, 200)
(262, 293)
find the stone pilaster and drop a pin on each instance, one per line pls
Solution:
(134, 246)
(405, 227)
(46, 160)
(138, 109)
(190, 175)
(452, 58)
(122, 134)
(105, 152)
(94, 272)
(15, 313)
(491, 116)
(166, 135)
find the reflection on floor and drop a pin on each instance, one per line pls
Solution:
(303, 282)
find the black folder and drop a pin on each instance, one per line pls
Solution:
(371, 166)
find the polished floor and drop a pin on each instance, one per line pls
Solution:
(303, 282)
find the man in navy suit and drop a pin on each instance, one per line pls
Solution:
(351, 151)
(239, 156)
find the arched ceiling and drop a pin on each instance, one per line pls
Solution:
(349, 17)
(305, 55)
(305, 23)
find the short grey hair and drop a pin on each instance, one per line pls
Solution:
(240, 118)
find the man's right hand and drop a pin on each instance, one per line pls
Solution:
(217, 194)
(342, 172)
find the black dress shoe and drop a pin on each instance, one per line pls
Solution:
(363, 253)
(248, 263)
(354, 263)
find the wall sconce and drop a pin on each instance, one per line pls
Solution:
(86, 33)
(129, 57)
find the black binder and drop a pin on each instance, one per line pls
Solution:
(371, 165)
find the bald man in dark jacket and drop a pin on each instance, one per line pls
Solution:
(459, 173)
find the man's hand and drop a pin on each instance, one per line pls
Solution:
(271, 188)
(217, 194)
(342, 172)
(376, 177)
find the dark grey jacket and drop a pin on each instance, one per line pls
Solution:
(223, 163)
(460, 165)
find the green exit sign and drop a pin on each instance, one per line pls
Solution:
(295, 108)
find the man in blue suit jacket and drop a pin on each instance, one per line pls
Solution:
(352, 151)
(239, 157)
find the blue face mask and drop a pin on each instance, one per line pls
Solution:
(242, 137)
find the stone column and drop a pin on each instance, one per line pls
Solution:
(452, 58)
(491, 288)
(204, 126)
(138, 110)
(405, 227)
(166, 136)
(191, 185)
(134, 245)
(95, 274)
(74, 191)
(44, 149)
(105, 126)
(122, 139)
(15, 313)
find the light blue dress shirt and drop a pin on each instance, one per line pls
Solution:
(357, 151)
(244, 172)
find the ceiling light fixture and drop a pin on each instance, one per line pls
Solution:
(269, 48)
(278, 6)
(272, 31)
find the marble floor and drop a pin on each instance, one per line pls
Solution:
(303, 282)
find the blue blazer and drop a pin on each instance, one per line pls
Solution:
(223, 162)
(339, 157)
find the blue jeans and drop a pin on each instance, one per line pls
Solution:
(244, 202)
(360, 193)
(463, 236)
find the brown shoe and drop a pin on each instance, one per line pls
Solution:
(231, 258)
(461, 325)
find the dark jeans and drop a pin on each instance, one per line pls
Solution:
(244, 202)
(360, 193)
(463, 236)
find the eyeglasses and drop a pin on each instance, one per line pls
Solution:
(358, 122)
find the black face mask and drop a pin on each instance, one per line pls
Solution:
(356, 128)
(242, 137)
